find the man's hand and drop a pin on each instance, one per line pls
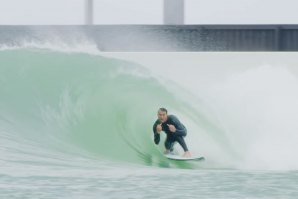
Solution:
(172, 128)
(159, 128)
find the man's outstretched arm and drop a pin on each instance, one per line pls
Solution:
(156, 135)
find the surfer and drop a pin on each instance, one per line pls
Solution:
(174, 129)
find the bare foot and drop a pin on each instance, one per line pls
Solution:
(166, 152)
(186, 154)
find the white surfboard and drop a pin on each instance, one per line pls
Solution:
(178, 157)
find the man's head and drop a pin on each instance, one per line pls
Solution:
(162, 114)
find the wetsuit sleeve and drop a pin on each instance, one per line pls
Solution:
(180, 128)
(156, 135)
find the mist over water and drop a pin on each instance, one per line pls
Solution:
(248, 102)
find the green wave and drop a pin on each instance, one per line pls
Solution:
(100, 105)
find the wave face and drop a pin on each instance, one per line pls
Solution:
(59, 104)
(58, 107)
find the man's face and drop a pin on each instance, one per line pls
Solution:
(162, 116)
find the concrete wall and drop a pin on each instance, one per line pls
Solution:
(163, 37)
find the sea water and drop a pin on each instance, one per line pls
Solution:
(79, 124)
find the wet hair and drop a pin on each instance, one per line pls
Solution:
(163, 110)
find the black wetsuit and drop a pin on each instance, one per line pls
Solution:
(171, 137)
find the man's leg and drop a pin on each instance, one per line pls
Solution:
(169, 145)
(181, 141)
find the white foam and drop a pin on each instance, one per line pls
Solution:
(56, 43)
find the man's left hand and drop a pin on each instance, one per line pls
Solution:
(172, 128)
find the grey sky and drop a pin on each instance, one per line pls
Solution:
(148, 12)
